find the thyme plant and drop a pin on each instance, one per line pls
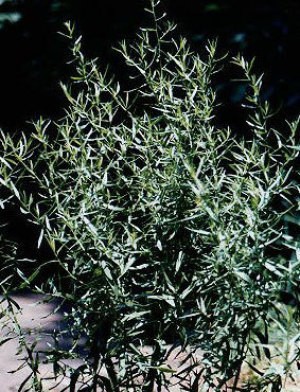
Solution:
(161, 224)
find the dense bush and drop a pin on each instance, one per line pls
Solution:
(163, 227)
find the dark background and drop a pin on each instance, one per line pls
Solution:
(33, 55)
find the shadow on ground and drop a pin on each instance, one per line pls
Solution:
(38, 321)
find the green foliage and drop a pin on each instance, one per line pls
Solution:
(161, 224)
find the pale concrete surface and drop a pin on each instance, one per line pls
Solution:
(37, 321)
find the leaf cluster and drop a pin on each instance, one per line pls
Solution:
(161, 224)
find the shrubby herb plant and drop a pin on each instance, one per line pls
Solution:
(161, 224)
